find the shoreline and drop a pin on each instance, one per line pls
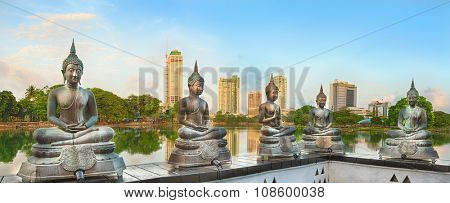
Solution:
(46, 124)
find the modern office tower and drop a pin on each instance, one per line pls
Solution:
(379, 108)
(229, 95)
(254, 100)
(342, 94)
(174, 77)
(281, 82)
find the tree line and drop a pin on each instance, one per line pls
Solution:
(110, 107)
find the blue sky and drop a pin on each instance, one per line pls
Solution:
(240, 34)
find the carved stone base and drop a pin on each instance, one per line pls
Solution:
(53, 163)
(408, 149)
(189, 153)
(273, 147)
(322, 144)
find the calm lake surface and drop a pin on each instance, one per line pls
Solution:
(139, 146)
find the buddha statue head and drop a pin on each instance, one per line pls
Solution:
(412, 95)
(196, 82)
(72, 67)
(321, 98)
(272, 90)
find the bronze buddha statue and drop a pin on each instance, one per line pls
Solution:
(198, 143)
(75, 145)
(318, 135)
(276, 140)
(411, 140)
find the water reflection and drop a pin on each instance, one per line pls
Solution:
(137, 141)
(12, 142)
(139, 146)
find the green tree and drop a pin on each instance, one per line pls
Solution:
(110, 107)
(8, 106)
(149, 106)
(402, 103)
(300, 116)
(142, 105)
(442, 119)
(345, 117)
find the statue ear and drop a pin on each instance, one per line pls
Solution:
(64, 76)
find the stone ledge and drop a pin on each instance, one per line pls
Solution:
(247, 165)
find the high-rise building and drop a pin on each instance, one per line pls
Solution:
(229, 94)
(174, 77)
(342, 94)
(254, 100)
(281, 82)
(379, 108)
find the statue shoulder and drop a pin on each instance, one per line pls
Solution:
(423, 111)
(203, 102)
(87, 92)
(184, 100)
(57, 91)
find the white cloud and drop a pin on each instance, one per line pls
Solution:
(39, 29)
(438, 98)
(17, 78)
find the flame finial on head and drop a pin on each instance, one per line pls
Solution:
(195, 76)
(271, 85)
(413, 89)
(72, 58)
(321, 94)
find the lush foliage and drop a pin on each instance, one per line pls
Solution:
(110, 107)
(8, 106)
(299, 116)
(442, 119)
(345, 117)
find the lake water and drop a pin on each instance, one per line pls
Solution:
(139, 146)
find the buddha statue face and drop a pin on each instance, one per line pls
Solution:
(196, 88)
(272, 95)
(73, 73)
(321, 101)
(412, 99)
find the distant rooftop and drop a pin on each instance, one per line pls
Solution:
(345, 83)
(175, 52)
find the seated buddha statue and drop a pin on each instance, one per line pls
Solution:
(78, 110)
(198, 142)
(75, 145)
(276, 139)
(411, 140)
(412, 120)
(319, 136)
(270, 114)
(194, 113)
(321, 119)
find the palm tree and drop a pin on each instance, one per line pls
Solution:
(30, 92)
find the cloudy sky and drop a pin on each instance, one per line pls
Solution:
(384, 44)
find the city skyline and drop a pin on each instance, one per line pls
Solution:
(382, 64)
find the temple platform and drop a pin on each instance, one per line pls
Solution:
(349, 168)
